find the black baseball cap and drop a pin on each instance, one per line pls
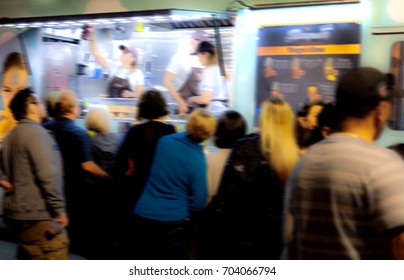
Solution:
(205, 46)
(129, 49)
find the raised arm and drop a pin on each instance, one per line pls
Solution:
(95, 51)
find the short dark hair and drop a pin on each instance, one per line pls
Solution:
(328, 117)
(231, 126)
(359, 91)
(19, 103)
(152, 105)
(205, 46)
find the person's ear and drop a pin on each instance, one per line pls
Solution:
(383, 111)
(134, 62)
(381, 114)
(32, 108)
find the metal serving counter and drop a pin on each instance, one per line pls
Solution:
(124, 112)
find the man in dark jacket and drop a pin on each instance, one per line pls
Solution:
(78, 166)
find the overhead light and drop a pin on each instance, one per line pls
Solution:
(159, 18)
(21, 25)
(36, 24)
(177, 17)
(123, 20)
(105, 20)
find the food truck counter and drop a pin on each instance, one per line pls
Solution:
(58, 56)
(124, 111)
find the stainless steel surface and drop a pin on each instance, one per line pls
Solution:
(155, 51)
(156, 44)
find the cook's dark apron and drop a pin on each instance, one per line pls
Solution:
(191, 85)
(117, 85)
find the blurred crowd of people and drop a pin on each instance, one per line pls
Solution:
(305, 185)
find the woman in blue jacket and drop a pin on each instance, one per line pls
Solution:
(175, 190)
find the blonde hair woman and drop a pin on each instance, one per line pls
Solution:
(175, 190)
(212, 90)
(246, 213)
(278, 144)
(200, 126)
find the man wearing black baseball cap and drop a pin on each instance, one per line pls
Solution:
(183, 73)
(345, 197)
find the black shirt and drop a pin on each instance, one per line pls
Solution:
(135, 155)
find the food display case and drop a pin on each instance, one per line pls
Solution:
(58, 58)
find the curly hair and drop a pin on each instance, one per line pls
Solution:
(152, 105)
(200, 125)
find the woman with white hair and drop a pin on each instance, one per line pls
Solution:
(105, 142)
(104, 145)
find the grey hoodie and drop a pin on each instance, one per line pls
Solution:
(31, 161)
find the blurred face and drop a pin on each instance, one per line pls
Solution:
(14, 79)
(194, 44)
(37, 109)
(382, 116)
(127, 59)
(76, 110)
(204, 58)
(276, 93)
(312, 116)
(312, 93)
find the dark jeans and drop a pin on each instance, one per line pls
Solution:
(160, 240)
